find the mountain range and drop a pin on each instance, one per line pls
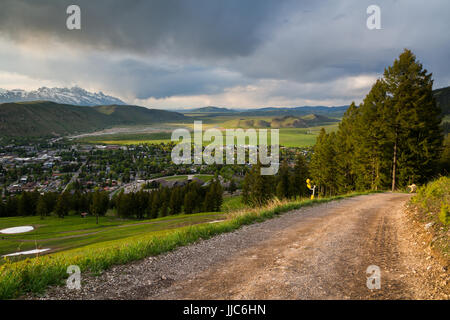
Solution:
(88, 112)
(73, 96)
(441, 95)
(44, 118)
(271, 111)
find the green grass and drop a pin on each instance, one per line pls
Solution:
(176, 178)
(289, 137)
(232, 204)
(434, 199)
(120, 137)
(203, 177)
(74, 231)
(432, 203)
(35, 274)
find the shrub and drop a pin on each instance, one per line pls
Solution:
(444, 215)
(434, 198)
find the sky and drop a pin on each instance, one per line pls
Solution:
(175, 54)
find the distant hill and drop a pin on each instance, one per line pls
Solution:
(210, 109)
(442, 97)
(272, 111)
(289, 122)
(298, 111)
(44, 118)
(74, 96)
(250, 123)
(285, 122)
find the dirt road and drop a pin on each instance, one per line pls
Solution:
(320, 252)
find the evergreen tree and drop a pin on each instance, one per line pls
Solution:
(24, 208)
(217, 192)
(99, 204)
(2, 209)
(257, 188)
(208, 204)
(62, 208)
(175, 201)
(412, 121)
(392, 139)
(346, 148)
(232, 187)
(42, 209)
(297, 180)
(189, 202)
(154, 211)
(324, 163)
(141, 204)
(11, 207)
(371, 140)
(282, 190)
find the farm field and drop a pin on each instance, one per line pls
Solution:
(289, 137)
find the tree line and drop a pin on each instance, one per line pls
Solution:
(392, 139)
(160, 202)
(289, 183)
(165, 201)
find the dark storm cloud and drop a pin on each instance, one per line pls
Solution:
(147, 80)
(332, 41)
(285, 50)
(197, 28)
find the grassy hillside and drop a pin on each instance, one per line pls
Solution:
(432, 207)
(73, 232)
(44, 118)
(288, 121)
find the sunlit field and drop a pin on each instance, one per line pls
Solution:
(289, 137)
(73, 231)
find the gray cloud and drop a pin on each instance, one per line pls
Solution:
(333, 41)
(285, 51)
(199, 28)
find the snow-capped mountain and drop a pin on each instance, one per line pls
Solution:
(74, 96)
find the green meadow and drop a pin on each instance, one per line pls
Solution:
(203, 177)
(73, 231)
(289, 137)
(59, 234)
